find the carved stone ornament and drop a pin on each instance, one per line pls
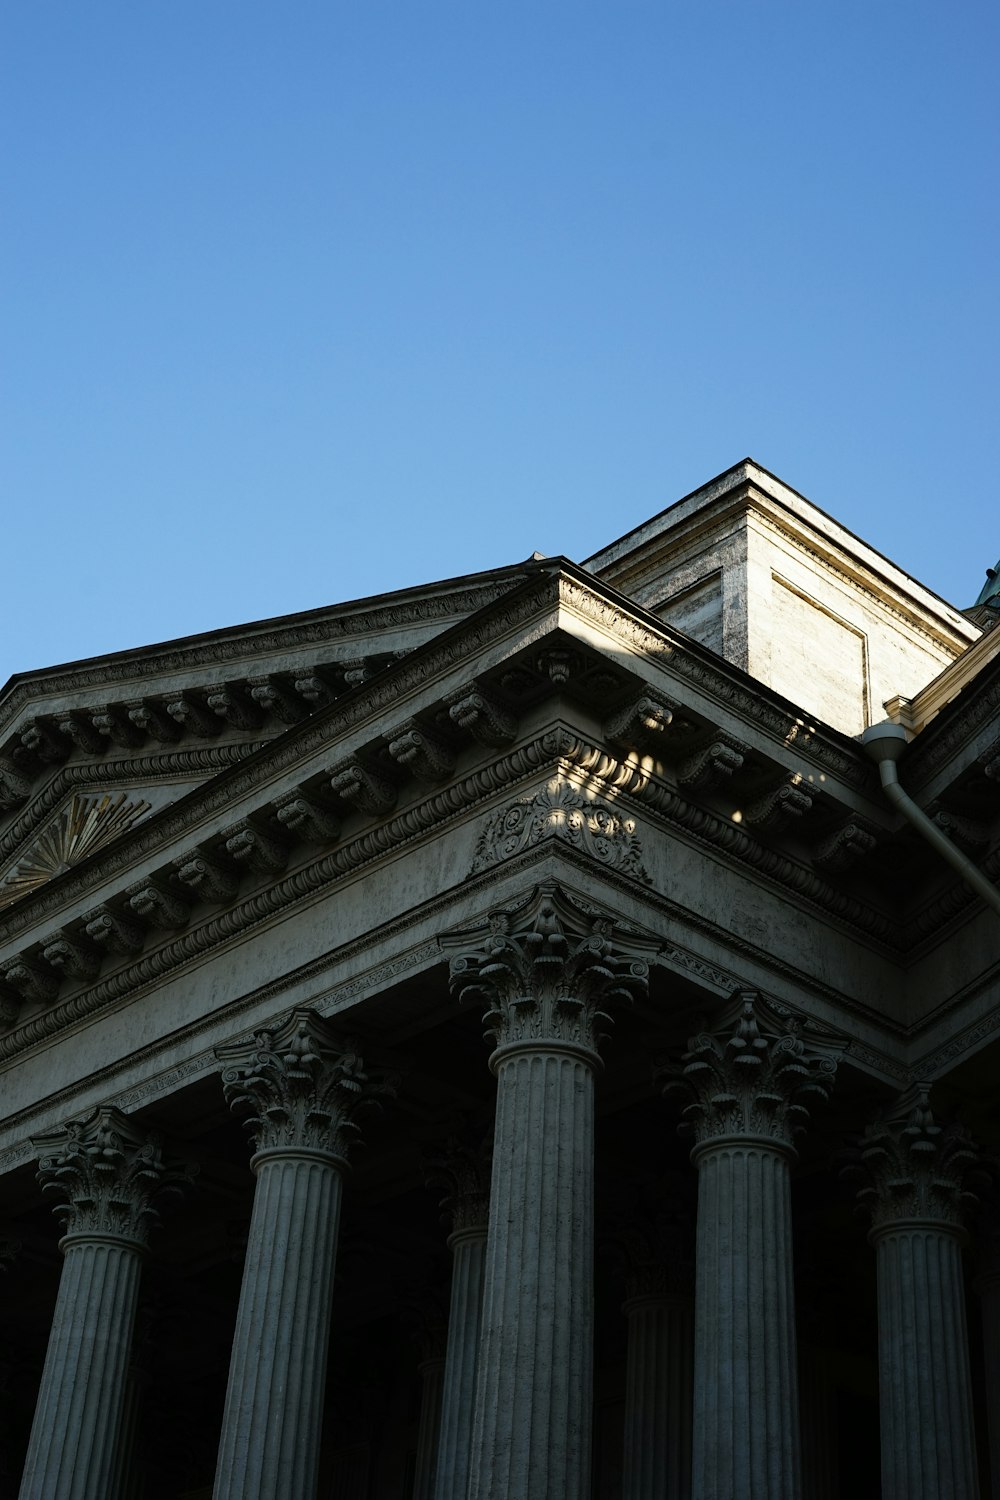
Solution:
(106, 1176)
(914, 1168)
(559, 811)
(462, 1165)
(547, 971)
(755, 1076)
(82, 826)
(656, 1251)
(302, 1086)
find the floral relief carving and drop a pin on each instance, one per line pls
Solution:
(754, 1076)
(595, 827)
(912, 1168)
(106, 1176)
(547, 971)
(301, 1086)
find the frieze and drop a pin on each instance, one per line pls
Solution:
(560, 811)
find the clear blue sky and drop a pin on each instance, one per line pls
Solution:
(305, 301)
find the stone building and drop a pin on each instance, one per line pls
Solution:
(261, 894)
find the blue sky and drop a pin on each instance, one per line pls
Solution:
(304, 302)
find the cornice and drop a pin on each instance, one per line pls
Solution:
(556, 747)
(121, 771)
(727, 685)
(351, 620)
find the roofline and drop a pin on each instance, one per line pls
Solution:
(740, 470)
(249, 627)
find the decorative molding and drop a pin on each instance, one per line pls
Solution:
(84, 825)
(913, 1168)
(106, 1176)
(560, 811)
(302, 1087)
(547, 970)
(159, 905)
(462, 1166)
(182, 764)
(755, 1076)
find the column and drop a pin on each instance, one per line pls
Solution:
(659, 1362)
(464, 1166)
(747, 1085)
(431, 1372)
(106, 1176)
(546, 973)
(302, 1088)
(988, 1287)
(914, 1171)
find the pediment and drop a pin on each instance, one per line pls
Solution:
(176, 715)
(83, 823)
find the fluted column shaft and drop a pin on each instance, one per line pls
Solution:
(532, 1435)
(746, 1441)
(547, 972)
(459, 1391)
(431, 1384)
(925, 1395)
(303, 1085)
(989, 1294)
(270, 1442)
(72, 1452)
(658, 1398)
(107, 1177)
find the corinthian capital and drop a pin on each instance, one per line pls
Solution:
(547, 971)
(462, 1167)
(106, 1177)
(301, 1085)
(915, 1169)
(755, 1076)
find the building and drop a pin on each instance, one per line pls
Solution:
(621, 816)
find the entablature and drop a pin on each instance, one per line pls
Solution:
(558, 674)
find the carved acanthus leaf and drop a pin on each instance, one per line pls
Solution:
(233, 705)
(249, 845)
(711, 766)
(462, 1166)
(547, 971)
(207, 876)
(912, 1168)
(111, 930)
(72, 956)
(842, 848)
(118, 726)
(146, 717)
(363, 788)
(157, 906)
(34, 980)
(640, 721)
(481, 715)
(107, 1176)
(302, 1086)
(780, 805)
(559, 811)
(306, 818)
(194, 715)
(422, 753)
(81, 731)
(756, 1075)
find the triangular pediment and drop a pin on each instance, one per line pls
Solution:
(168, 718)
